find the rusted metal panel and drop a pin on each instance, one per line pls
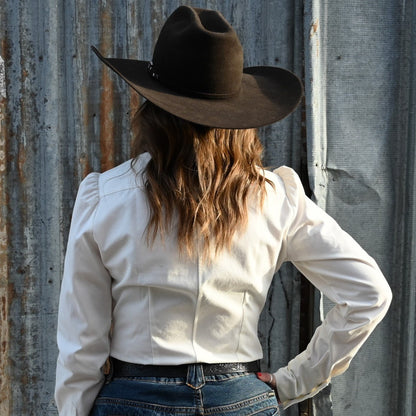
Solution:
(68, 115)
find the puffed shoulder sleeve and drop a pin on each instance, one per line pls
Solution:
(347, 275)
(84, 317)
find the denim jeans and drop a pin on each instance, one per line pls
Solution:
(234, 394)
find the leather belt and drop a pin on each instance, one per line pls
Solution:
(124, 369)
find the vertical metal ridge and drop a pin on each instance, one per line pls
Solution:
(107, 129)
(403, 364)
(5, 388)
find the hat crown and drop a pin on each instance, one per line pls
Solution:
(198, 52)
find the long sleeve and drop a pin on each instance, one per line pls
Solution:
(335, 264)
(84, 310)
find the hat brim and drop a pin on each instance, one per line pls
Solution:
(267, 94)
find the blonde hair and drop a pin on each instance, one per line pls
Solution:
(199, 175)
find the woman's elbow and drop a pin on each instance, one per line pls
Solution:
(381, 299)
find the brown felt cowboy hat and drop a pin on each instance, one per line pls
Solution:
(197, 74)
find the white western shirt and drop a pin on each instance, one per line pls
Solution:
(166, 309)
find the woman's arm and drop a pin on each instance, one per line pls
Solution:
(347, 275)
(84, 310)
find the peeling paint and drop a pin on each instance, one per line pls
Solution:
(2, 79)
(314, 27)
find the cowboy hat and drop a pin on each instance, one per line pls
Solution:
(197, 74)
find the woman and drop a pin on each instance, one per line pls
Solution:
(173, 252)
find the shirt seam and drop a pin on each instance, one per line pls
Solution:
(241, 324)
(150, 324)
(95, 213)
(295, 207)
(197, 305)
(123, 189)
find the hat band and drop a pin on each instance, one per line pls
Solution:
(197, 94)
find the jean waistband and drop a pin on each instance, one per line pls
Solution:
(123, 369)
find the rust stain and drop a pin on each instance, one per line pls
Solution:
(84, 163)
(21, 163)
(314, 28)
(5, 49)
(25, 74)
(107, 99)
(134, 105)
(134, 46)
(107, 122)
(314, 33)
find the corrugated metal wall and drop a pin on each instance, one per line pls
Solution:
(62, 115)
(360, 74)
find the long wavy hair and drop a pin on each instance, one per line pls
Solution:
(199, 178)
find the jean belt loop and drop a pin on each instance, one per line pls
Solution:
(195, 377)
